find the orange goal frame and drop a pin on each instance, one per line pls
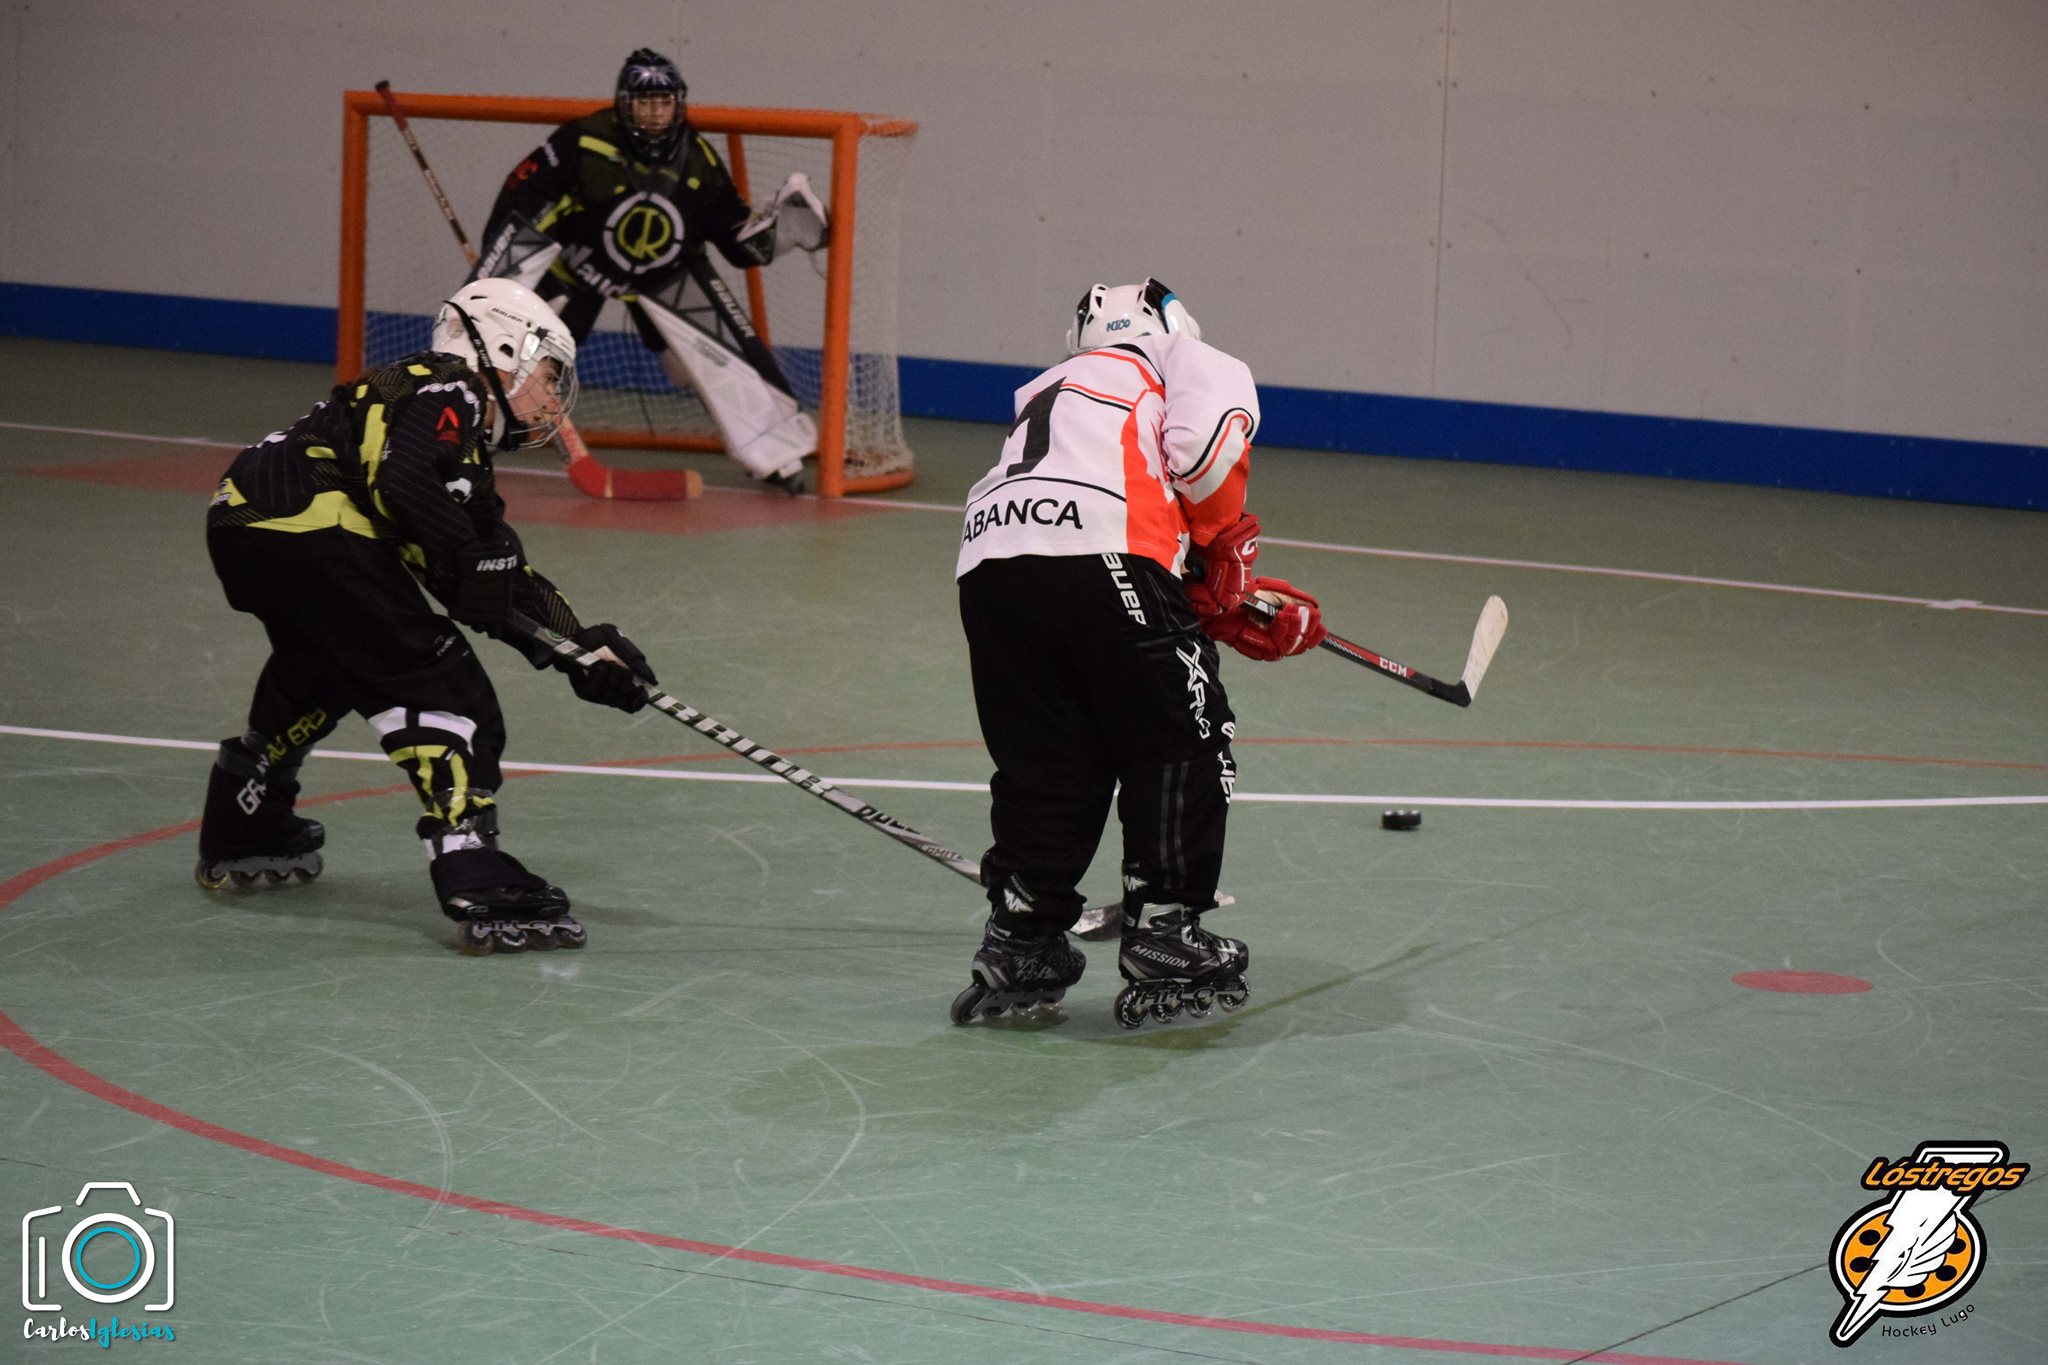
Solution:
(844, 130)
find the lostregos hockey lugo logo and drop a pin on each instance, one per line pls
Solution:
(1918, 1250)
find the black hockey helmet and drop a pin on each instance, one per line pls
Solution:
(647, 72)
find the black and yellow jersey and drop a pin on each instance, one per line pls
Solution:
(395, 456)
(624, 225)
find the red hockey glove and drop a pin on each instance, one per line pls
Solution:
(1224, 576)
(1296, 627)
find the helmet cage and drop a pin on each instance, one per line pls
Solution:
(647, 72)
(517, 348)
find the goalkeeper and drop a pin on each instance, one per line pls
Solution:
(313, 531)
(622, 204)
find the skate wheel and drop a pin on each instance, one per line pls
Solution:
(967, 1004)
(243, 878)
(1166, 1008)
(312, 868)
(1233, 998)
(570, 935)
(208, 876)
(475, 940)
(1201, 1002)
(274, 875)
(1130, 1007)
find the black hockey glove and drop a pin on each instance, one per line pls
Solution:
(485, 572)
(609, 684)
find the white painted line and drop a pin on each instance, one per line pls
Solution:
(1517, 803)
(978, 788)
(119, 435)
(1541, 566)
(1529, 565)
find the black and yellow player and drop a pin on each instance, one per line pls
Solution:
(623, 204)
(327, 531)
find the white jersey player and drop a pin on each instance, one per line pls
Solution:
(1095, 666)
(1135, 444)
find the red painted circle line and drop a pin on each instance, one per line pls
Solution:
(22, 1044)
(1802, 983)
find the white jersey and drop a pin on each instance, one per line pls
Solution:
(1135, 448)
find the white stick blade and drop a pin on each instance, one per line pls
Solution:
(1493, 623)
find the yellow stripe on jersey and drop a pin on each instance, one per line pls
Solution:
(374, 438)
(325, 512)
(598, 145)
(553, 213)
(321, 453)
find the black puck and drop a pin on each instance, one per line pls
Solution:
(1401, 819)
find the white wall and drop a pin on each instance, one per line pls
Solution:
(1810, 212)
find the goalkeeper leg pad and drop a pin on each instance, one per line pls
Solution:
(763, 428)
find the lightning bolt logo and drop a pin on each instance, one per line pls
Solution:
(1919, 1249)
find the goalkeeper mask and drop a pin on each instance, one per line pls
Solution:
(649, 102)
(522, 352)
(1109, 314)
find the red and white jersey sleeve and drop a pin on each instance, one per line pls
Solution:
(1135, 448)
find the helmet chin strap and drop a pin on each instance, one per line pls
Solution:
(512, 431)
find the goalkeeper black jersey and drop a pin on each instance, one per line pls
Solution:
(624, 225)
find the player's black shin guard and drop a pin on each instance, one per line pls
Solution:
(500, 906)
(248, 829)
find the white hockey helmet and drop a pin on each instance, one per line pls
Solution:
(1109, 314)
(506, 333)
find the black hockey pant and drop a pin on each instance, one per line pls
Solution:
(350, 631)
(1091, 671)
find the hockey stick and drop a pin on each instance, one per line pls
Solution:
(661, 701)
(1486, 636)
(590, 477)
(1099, 921)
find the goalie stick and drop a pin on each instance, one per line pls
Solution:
(1486, 637)
(590, 477)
